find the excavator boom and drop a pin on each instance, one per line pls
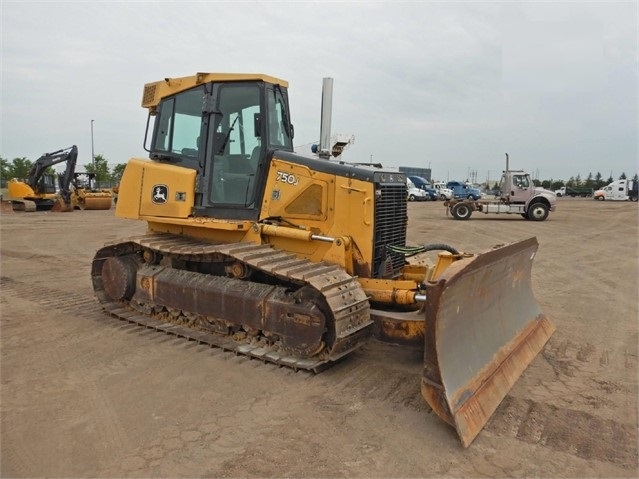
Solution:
(36, 193)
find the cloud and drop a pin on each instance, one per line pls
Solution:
(453, 85)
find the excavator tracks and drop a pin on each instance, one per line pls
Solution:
(297, 313)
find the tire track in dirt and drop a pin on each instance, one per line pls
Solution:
(568, 430)
(565, 430)
(93, 412)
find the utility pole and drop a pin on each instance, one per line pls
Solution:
(92, 152)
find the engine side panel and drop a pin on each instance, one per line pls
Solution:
(150, 188)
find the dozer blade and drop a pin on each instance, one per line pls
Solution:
(483, 329)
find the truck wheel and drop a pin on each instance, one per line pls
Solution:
(411, 198)
(601, 198)
(634, 198)
(461, 211)
(538, 212)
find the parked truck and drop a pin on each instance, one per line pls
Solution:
(620, 190)
(518, 195)
(463, 190)
(574, 191)
(443, 192)
(414, 193)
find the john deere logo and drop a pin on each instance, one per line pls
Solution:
(160, 194)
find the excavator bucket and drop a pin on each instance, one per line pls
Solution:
(483, 328)
(59, 206)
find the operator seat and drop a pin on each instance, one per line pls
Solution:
(254, 159)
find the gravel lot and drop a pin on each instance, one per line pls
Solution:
(84, 395)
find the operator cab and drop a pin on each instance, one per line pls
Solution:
(226, 131)
(46, 185)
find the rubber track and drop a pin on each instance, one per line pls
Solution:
(342, 292)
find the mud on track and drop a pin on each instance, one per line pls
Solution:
(86, 395)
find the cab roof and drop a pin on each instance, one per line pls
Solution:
(155, 91)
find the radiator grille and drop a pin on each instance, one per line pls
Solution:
(391, 219)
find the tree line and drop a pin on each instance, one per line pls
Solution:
(19, 168)
(594, 182)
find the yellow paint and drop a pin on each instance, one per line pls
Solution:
(138, 190)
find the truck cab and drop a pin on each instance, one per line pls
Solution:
(620, 190)
(462, 190)
(442, 191)
(517, 187)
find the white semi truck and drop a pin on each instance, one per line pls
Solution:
(620, 190)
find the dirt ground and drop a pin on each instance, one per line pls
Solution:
(85, 395)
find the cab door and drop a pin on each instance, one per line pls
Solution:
(520, 188)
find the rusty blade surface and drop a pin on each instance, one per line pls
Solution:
(483, 328)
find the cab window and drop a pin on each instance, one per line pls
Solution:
(178, 124)
(236, 144)
(280, 134)
(521, 181)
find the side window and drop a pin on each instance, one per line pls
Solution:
(163, 123)
(521, 181)
(278, 123)
(178, 123)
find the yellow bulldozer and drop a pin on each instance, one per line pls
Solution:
(86, 196)
(298, 261)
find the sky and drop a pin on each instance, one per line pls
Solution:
(448, 85)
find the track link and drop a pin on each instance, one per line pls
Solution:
(349, 307)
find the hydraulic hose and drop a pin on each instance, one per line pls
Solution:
(413, 250)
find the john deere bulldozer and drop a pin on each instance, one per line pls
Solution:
(298, 260)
